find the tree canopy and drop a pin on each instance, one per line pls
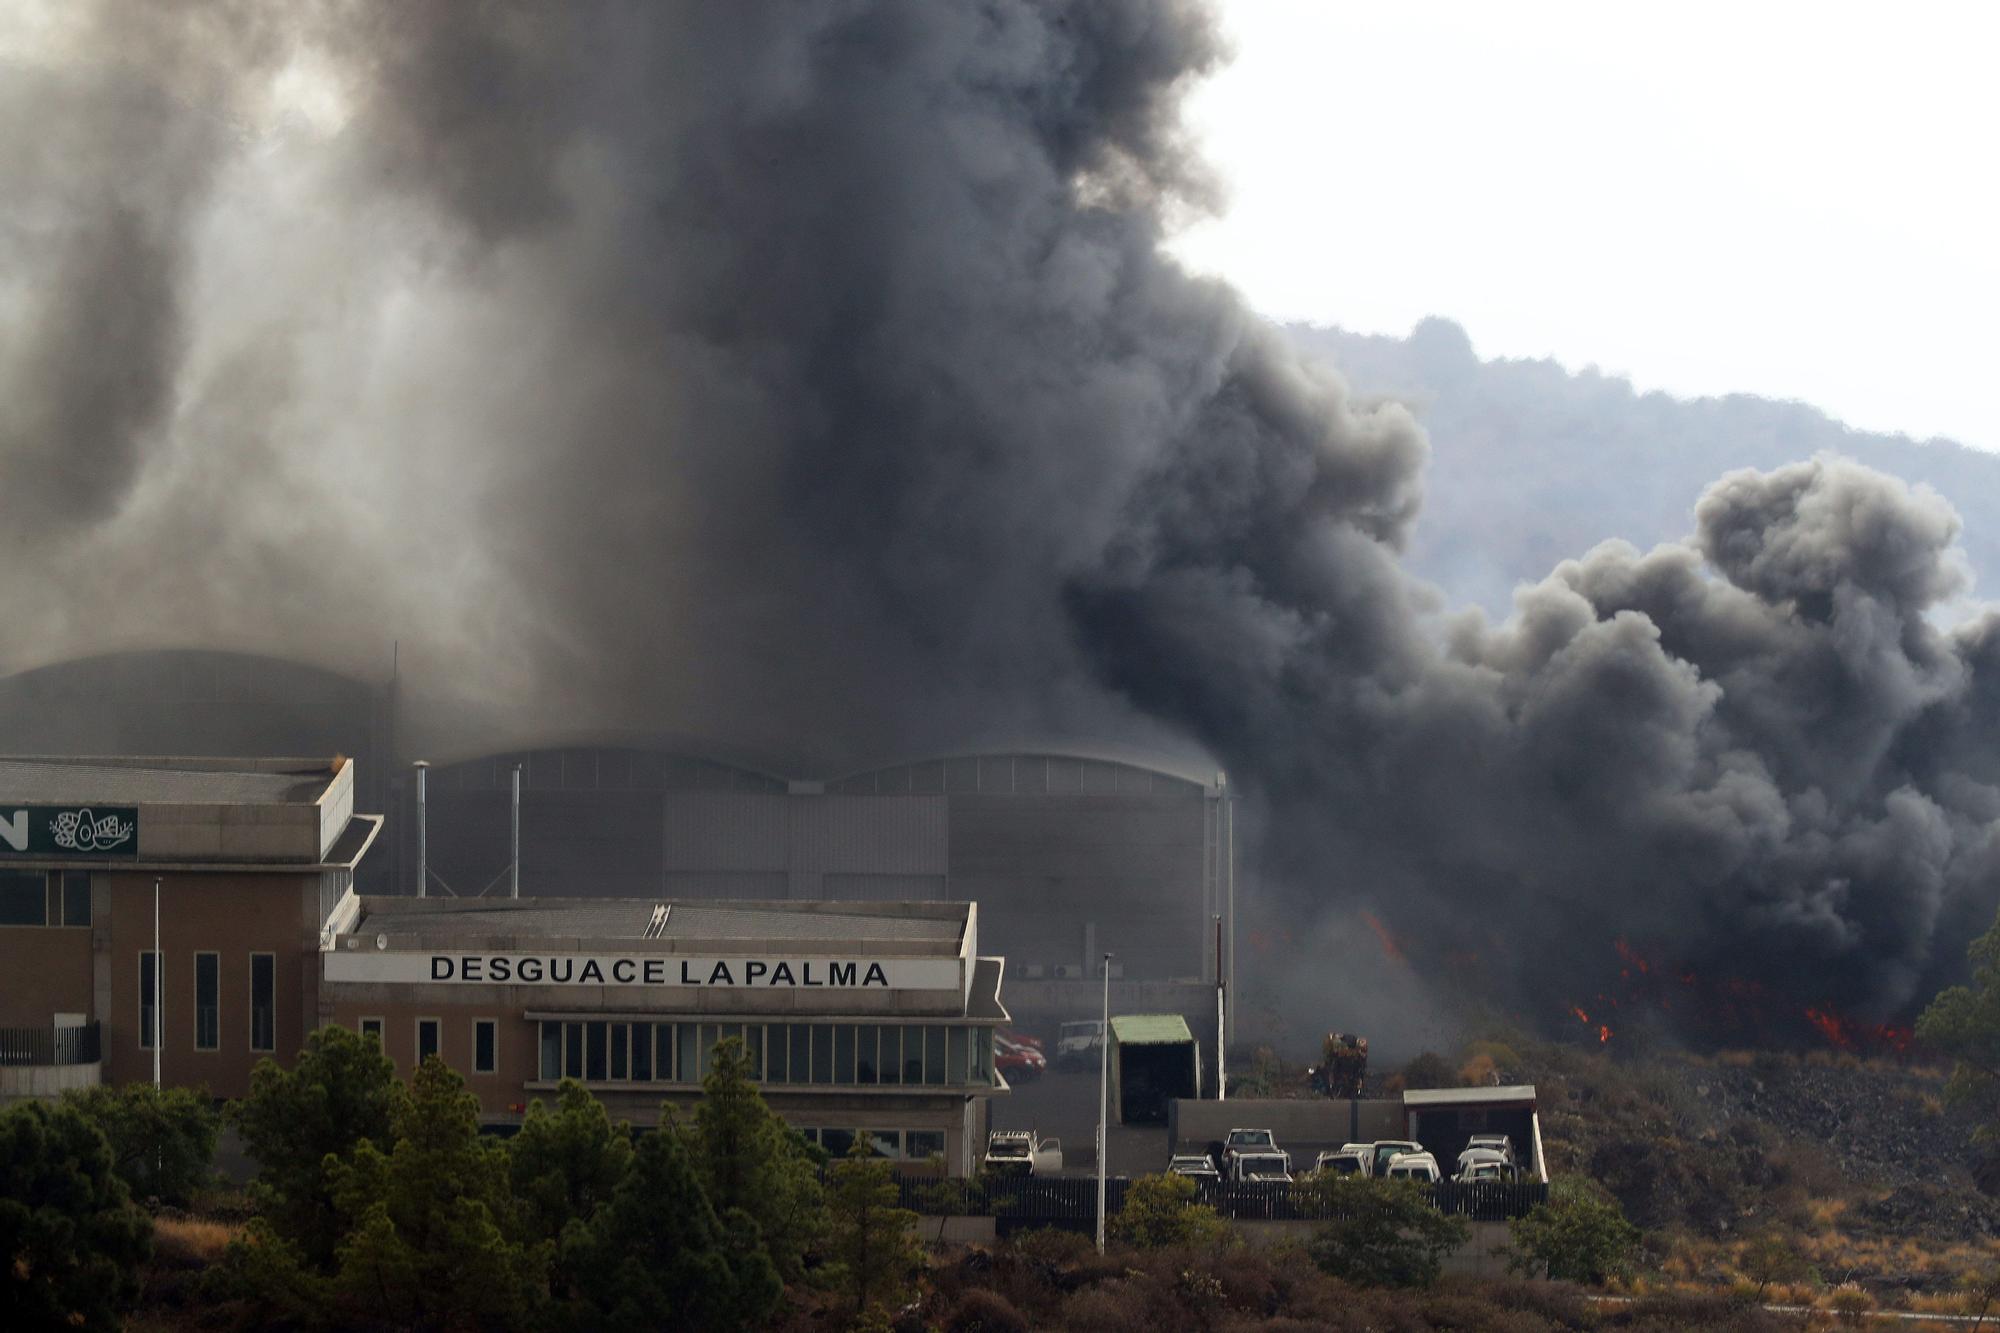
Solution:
(1166, 1210)
(162, 1140)
(71, 1241)
(1385, 1233)
(748, 1158)
(872, 1252)
(342, 1091)
(1963, 1022)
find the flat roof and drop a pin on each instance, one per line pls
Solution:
(1149, 1029)
(940, 926)
(1513, 1094)
(50, 780)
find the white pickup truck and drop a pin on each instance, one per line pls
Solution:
(1022, 1152)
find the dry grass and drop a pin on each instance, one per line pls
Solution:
(194, 1242)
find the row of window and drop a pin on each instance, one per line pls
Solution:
(910, 1145)
(44, 898)
(430, 1040)
(875, 1054)
(207, 1008)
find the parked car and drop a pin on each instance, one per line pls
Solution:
(1420, 1166)
(1384, 1149)
(1484, 1164)
(1022, 1152)
(1010, 1152)
(1353, 1159)
(1499, 1143)
(1020, 1038)
(1241, 1141)
(1078, 1045)
(1247, 1167)
(1198, 1167)
(1020, 1064)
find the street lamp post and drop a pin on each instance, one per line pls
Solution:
(159, 987)
(1103, 1099)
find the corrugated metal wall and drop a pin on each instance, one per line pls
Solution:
(1063, 855)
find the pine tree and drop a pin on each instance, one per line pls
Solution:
(656, 1256)
(872, 1253)
(341, 1091)
(70, 1240)
(431, 1229)
(162, 1139)
(749, 1159)
(565, 1164)
(1963, 1022)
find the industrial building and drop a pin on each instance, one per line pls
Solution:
(194, 915)
(1072, 849)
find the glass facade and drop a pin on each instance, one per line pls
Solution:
(795, 1054)
(909, 1145)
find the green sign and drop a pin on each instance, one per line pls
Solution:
(69, 830)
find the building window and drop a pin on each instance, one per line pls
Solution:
(866, 1039)
(923, 1144)
(892, 1055)
(836, 1141)
(572, 1050)
(663, 1062)
(263, 1002)
(485, 1043)
(882, 1142)
(207, 1001)
(372, 1027)
(427, 1038)
(843, 1053)
(913, 1055)
(799, 1038)
(934, 1065)
(75, 898)
(596, 1068)
(24, 898)
(149, 997)
(551, 1061)
(642, 1052)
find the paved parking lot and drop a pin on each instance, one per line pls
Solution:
(1064, 1105)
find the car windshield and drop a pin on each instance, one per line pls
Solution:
(1346, 1166)
(1009, 1148)
(1080, 1029)
(1244, 1138)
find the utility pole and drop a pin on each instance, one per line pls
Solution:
(1221, 1074)
(1103, 1101)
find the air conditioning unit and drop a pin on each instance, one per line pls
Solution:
(1030, 971)
(1066, 972)
(1116, 969)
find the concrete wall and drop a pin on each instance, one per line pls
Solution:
(44, 971)
(230, 832)
(232, 915)
(19, 1082)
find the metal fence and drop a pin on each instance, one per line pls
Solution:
(49, 1046)
(1065, 1201)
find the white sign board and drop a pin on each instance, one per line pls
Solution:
(574, 970)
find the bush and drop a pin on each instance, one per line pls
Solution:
(1579, 1235)
(1162, 1210)
(1385, 1233)
(980, 1311)
(1429, 1070)
(71, 1240)
(162, 1140)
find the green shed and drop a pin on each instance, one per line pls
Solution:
(1154, 1059)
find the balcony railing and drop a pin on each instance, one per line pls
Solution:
(50, 1046)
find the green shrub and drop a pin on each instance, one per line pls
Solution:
(1162, 1210)
(1385, 1233)
(1579, 1235)
(162, 1140)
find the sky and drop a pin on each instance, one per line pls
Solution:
(1797, 201)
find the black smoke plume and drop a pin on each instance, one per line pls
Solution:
(812, 375)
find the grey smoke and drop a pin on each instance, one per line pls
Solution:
(811, 376)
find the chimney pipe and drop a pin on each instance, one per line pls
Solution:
(423, 846)
(514, 871)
